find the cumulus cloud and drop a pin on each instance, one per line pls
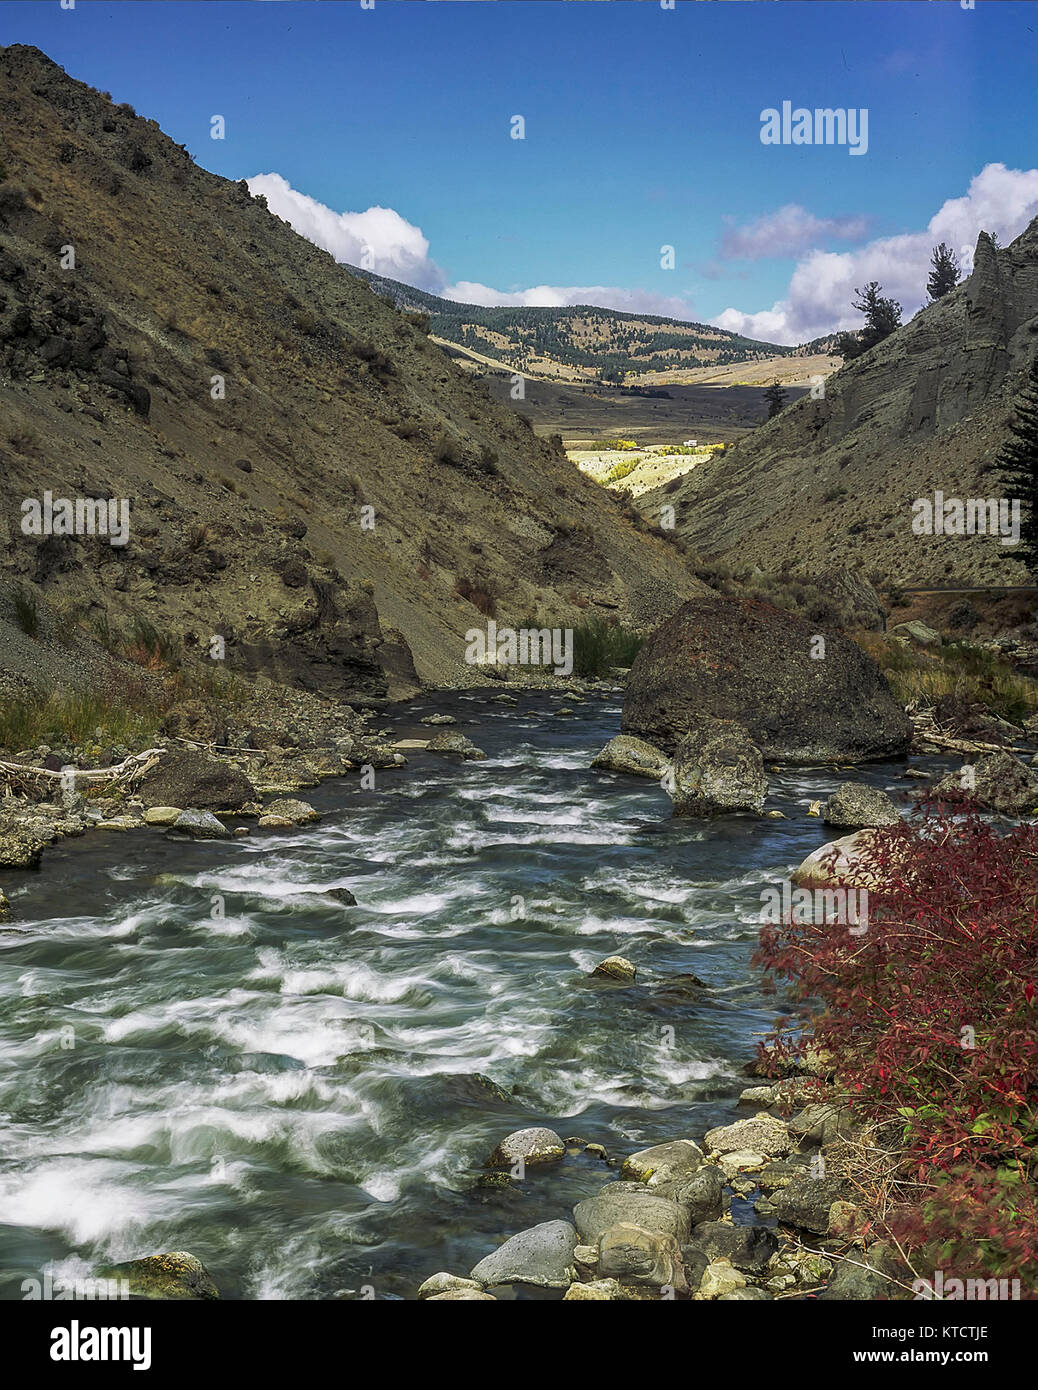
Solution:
(382, 241)
(787, 232)
(379, 239)
(818, 301)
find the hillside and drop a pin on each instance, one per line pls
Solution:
(307, 474)
(579, 341)
(925, 411)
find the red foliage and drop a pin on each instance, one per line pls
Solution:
(930, 1018)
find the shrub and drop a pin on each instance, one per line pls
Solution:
(600, 643)
(26, 612)
(480, 597)
(931, 1023)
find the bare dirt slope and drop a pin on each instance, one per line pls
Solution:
(250, 398)
(834, 480)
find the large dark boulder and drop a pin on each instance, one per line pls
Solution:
(743, 660)
(188, 779)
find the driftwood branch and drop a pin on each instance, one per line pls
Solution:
(129, 770)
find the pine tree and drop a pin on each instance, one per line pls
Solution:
(944, 272)
(776, 399)
(882, 317)
(1018, 464)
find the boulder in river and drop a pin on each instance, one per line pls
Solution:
(717, 769)
(162, 815)
(529, 1145)
(201, 825)
(999, 781)
(633, 756)
(616, 968)
(541, 1256)
(174, 1275)
(740, 659)
(843, 863)
(20, 845)
(456, 746)
(185, 777)
(806, 1201)
(855, 806)
(288, 810)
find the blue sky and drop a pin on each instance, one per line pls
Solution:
(642, 130)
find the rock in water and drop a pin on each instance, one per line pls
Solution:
(456, 746)
(679, 1158)
(634, 1203)
(186, 778)
(843, 863)
(855, 806)
(530, 1145)
(616, 968)
(291, 811)
(203, 825)
(633, 756)
(541, 1256)
(718, 770)
(175, 1275)
(5, 906)
(752, 663)
(998, 781)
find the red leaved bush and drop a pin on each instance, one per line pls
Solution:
(931, 1019)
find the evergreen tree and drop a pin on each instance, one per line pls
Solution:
(776, 399)
(1018, 464)
(944, 272)
(882, 317)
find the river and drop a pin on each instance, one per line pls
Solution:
(200, 1050)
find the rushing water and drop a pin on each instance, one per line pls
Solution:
(287, 1089)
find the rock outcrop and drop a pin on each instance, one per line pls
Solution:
(922, 412)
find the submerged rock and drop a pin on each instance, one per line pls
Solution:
(633, 756)
(717, 769)
(175, 1275)
(744, 660)
(541, 1256)
(616, 968)
(855, 806)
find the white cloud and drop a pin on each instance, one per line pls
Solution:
(786, 232)
(818, 300)
(557, 296)
(397, 248)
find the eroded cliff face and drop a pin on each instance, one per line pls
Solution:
(923, 412)
(308, 475)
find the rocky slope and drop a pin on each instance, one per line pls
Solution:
(924, 411)
(308, 476)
